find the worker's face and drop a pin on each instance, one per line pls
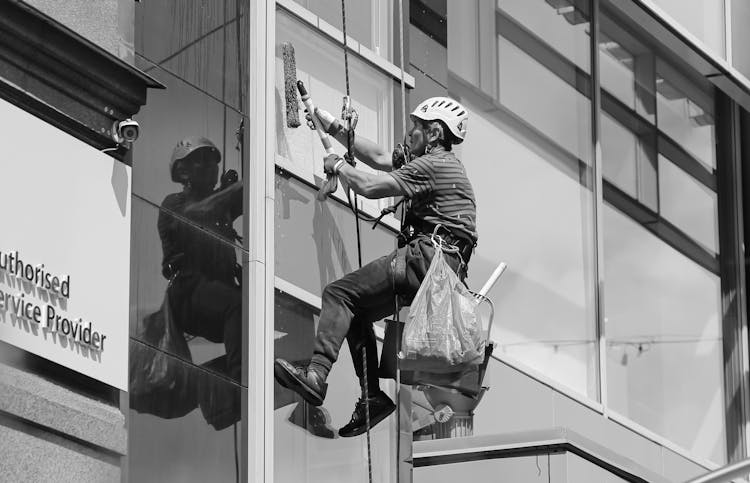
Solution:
(416, 138)
(202, 170)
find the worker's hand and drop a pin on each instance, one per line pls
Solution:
(330, 124)
(401, 155)
(330, 162)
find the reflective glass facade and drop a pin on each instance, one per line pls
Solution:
(607, 171)
(189, 246)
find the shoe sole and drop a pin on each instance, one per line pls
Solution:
(290, 382)
(373, 422)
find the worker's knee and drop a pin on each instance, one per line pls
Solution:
(335, 290)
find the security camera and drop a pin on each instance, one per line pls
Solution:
(125, 131)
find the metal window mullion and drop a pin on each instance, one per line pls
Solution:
(598, 206)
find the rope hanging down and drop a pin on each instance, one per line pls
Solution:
(346, 112)
(354, 205)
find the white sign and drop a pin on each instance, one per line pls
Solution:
(64, 248)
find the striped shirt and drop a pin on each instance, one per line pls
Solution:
(440, 193)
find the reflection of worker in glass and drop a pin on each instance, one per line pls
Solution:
(440, 194)
(204, 294)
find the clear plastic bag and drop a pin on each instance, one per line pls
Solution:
(443, 332)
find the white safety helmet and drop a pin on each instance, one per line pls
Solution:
(444, 109)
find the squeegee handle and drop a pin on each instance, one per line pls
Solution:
(305, 96)
(493, 279)
(332, 181)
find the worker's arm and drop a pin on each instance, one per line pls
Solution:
(364, 149)
(366, 184)
(227, 200)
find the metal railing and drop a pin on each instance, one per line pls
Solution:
(726, 473)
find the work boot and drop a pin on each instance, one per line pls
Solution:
(381, 407)
(304, 380)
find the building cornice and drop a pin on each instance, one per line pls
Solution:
(65, 79)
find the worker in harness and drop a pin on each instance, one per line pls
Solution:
(425, 171)
(204, 291)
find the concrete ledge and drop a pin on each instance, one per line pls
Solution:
(27, 456)
(455, 450)
(34, 399)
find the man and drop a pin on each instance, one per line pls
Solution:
(441, 196)
(204, 292)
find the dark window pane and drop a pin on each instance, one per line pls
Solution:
(203, 444)
(185, 115)
(198, 274)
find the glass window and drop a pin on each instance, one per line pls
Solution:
(562, 24)
(201, 442)
(528, 163)
(522, 77)
(686, 114)
(196, 41)
(703, 19)
(664, 338)
(307, 435)
(318, 240)
(688, 204)
(740, 36)
(202, 120)
(619, 148)
(197, 274)
(320, 65)
(662, 309)
(367, 21)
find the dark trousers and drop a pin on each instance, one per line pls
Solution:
(211, 309)
(352, 303)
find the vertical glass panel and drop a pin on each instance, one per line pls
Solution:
(685, 113)
(703, 19)
(688, 204)
(367, 21)
(318, 240)
(619, 147)
(664, 339)
(740, 14)
(522, 77)
(307, 435)
(182, 113)
(531, 154)
(616, 71)
(320, 65)
(197, 274)
(190, 432)
(196, 41)
(550, 202)
(563, 24)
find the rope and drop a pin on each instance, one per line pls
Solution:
(240, 133)
(403, 219)
(355, 208)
